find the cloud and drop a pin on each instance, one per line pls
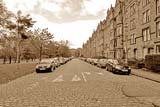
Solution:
(72, 20)
(60, 11)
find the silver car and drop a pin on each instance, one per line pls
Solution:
(102, 63)
(46, 65)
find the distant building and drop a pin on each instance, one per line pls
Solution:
(131, 30)
(76, 52)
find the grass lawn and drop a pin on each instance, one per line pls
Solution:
(10, 72)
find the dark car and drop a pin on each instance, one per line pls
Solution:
(46, 65)
(116, 68)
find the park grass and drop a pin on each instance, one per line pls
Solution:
(9, 72)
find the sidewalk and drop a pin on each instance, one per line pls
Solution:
(148, 75)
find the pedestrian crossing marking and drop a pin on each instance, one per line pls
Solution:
(59, 79)
(76, 78)
(84, 77)
(88, 73)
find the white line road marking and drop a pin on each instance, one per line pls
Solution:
(59, 79)
(76, 78)
(88, 73)
(84, 77)
(100, 73)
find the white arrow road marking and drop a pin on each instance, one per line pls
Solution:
(84, 77)
(100, 73)
(76, 78)
(88, 73)
(59, 79)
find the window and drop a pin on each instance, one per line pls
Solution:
(158, 6)
(146, 34)
(132, 9)
(132, 24)
(146, 16)
(135, 53)
(150, 50)
(112, 25)
(158, 49)
(158, 29)
(133, 39)
(145, 2)
(115, 43)
(119, 30)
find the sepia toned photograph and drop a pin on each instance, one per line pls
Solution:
(79, 53)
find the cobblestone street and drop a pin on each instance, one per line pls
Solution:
(78, 84)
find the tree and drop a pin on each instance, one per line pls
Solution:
(51, 49)
(28, 50)
(41, 39)
(21, 25)
(8, 49)
(63, 48)
(6, 41)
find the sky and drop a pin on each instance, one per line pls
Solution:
(72, 20)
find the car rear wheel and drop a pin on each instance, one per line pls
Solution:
(52, 69)
(107, 68)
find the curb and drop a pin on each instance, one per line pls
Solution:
(146, 77)
(156, 103)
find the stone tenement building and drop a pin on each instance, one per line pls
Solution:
(131, 29)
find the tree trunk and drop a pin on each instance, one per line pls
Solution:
(18, 52)
(18, 43)
(10, 59)
(40, 53)
(4, 60)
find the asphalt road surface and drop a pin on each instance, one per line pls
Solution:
(79, 84)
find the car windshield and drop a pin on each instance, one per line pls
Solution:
(119, 66)
(115, 62)
(45, 62)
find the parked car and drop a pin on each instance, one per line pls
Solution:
(56, 62)
(46, 65)
(95, 61)
(116, 68)
(102, 63)
(61, 60)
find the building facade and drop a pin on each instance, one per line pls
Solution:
(131, 30)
